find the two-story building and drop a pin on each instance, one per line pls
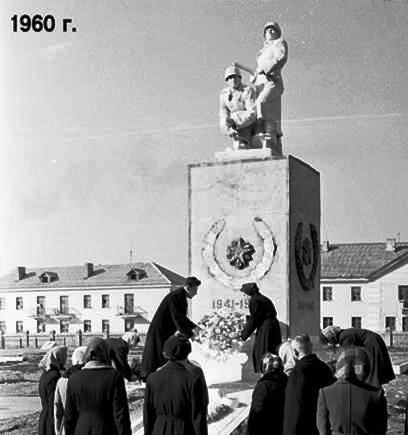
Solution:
(94, 299)
(365, 285)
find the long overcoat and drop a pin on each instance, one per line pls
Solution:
(263, 319)
(381, 371)
(46, 390)
(96, 403)
(118, 352)
(355, 408)
(309, 375)
(175, 402)
(267, 406)
(171, 316)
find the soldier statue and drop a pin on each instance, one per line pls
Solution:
(237, 109)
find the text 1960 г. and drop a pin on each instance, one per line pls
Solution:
(38, 23)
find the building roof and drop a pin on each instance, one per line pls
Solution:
(368, 261)
(99, 276)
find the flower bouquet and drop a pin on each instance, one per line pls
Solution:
(217, 346)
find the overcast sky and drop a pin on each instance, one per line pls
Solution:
(98, 126)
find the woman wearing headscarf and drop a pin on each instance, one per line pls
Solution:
(51, 364)
(77, 362)
(176, 398)
(96, 397)
(381, 371)
(268, 399)
(119, 351)
(350, 405)
(262, 319)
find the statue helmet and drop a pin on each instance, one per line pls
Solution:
(232, 71)
(273, 24)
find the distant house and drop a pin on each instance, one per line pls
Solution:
(365, 285)
(94, 299)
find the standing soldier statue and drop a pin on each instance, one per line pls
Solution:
(269, 89)
(237, 109)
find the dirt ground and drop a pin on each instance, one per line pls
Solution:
(25, 383)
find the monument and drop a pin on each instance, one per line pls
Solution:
(254, 214)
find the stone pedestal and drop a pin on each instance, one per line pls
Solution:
(257, 219)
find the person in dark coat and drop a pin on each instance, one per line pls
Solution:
(363, 407)
(119, 351)
(263, 319)
(268, 399)
(171, 316)
(52, 364)
(309, 375)
(381, 371)
(176, 398)
(96, 402)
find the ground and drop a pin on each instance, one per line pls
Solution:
(19, 381)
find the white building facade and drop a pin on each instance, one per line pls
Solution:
(365, 285)
(93, 299)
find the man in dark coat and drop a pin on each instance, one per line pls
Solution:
(175, 398)
(350, 405)
(96, 401)
(171, 316)
(268, 399)
(119, 351)
(381, 371)
(263, 319)
(308, 376)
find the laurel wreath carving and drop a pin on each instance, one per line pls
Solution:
(257, 273)
(302, 256)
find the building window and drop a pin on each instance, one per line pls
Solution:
(105, 326)
(403, 295)
(356, 322)
(390, 322)
(19, 303)
(87, 301)
(87, 326)
(2, 326)
(40, 305)
(355, 294)
(405, 324)
(40, 326)
(19, 326)
(2, 303)
(327, 321)
(64, 326)
(327, 293)
(105, 301)
(129, 324)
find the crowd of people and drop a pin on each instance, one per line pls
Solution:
(298, 393)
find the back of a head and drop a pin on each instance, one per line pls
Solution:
(353, 364)
(176, 348)
(98, 350)
(250, 288)
(302, 344)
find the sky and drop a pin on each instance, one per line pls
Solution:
(98, 125)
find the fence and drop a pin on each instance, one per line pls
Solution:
(28, 340)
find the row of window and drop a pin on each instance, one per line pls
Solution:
(355, 294)
(64, 326)
(356, 322)
(87, 302)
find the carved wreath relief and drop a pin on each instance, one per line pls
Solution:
(306, 256)
(239, 262)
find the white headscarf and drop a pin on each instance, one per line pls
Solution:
(55, 357)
